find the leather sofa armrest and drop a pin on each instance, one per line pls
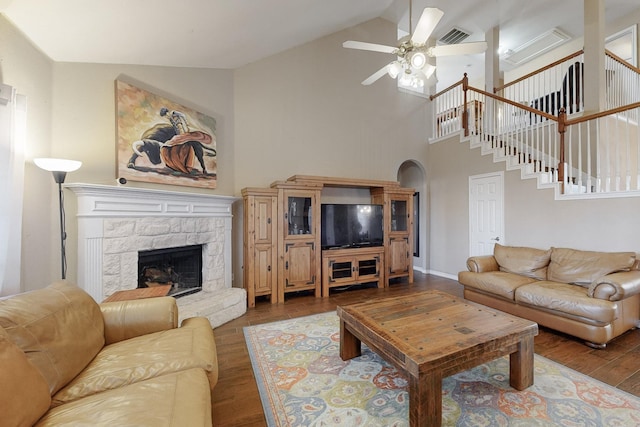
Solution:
(616, 286)
(133, 318)
(480, 264)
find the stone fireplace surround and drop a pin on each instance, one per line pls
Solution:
(115, 222)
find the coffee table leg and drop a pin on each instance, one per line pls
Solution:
(349, 345)
(425, 400)
(521, 365)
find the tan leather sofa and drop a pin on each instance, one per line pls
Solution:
(594, 296)
(66, 360)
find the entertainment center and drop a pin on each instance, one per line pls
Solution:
(293, 242)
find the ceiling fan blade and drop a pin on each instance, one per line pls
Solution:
(427, 23)
(350, 44)
(459, 49)
(375, 76)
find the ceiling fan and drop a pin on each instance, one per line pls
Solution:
(411, 67)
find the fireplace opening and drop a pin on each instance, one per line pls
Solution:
(180, 267)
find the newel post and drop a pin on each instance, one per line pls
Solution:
(562, 117)
(465, 112)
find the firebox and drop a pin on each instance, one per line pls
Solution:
(179, 267)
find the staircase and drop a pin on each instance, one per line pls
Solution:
(579, 156)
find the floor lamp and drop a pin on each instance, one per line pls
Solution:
(59, 169)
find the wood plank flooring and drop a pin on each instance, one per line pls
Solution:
(236, 401)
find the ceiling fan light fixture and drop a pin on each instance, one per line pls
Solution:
(394, 69)
(406, 78)
(418, 60)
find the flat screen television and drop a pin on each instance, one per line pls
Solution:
(351, 226)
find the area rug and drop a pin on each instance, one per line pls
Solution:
(303, 382)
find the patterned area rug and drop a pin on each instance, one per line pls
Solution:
(304, 382)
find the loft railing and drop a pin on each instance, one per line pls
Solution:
(602, 151)
(560, 85)
(598, 153)
(623, 82)
(550, 88)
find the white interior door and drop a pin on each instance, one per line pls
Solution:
(486, 212)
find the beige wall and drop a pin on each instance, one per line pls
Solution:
(304, 111)
(532, 216)
(30, 72)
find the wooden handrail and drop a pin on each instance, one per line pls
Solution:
(622, 61)
(561, 120)
(515, 104)
(602, 114)
(533, 73)
(432, 97)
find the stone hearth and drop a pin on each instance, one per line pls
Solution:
(114, 223)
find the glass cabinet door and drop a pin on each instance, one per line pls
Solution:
(398, 215)
(299, 215)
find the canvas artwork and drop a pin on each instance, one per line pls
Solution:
(161, 141)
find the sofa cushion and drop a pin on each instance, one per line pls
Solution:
(59, 328)
(178, 399)
(525, 261)
(24, 393)
(499, 283)
(567, 299)
(583, 267)
(144, 357)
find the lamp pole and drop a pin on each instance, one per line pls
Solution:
(59, 177)
(59, 169)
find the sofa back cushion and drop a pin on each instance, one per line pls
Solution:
(59, 328)
(583, 267)
(529, 262)
(24, 393)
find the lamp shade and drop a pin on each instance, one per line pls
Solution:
(57, 165)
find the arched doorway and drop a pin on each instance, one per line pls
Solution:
(412, 174)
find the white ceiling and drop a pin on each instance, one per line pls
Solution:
(232, 33)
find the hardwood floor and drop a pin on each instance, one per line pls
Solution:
(236, 401)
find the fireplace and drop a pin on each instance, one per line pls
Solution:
(180, 268)
(117, 223)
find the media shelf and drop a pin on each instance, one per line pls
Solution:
(353, 266)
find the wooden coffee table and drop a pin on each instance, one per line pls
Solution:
(433, 335)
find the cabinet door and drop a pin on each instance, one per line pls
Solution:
(368, 267)
(299, 213)
(341, 270)
(299, 265)
(399, 215)
(398, 261)
(264, 210)
(263, 279)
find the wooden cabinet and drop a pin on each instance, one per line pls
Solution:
(282, 251)
(298, 238)
(342, 267)
(398, 227)
(259, 251)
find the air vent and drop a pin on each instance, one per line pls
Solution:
(539, 45)
(453, 36)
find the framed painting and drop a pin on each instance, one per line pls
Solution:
(161, 141)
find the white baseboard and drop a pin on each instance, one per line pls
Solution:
(445, 275)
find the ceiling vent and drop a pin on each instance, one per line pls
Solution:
(539, 45)
(453, 36)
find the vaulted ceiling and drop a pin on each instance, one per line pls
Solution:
(232, 33)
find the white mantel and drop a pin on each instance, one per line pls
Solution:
(115, 222)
